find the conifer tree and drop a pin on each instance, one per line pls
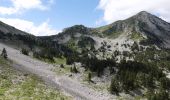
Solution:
(4, 53)
(89, 77)
(114, 87)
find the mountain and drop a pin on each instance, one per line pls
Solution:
(143, 29)
(145, 24)
(131, 55)
(12, 36)
(134, 51)
(4, 28)
(38, 46)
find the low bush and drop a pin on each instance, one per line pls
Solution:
(25, 51)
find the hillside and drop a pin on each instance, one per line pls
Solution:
(21, 85)
(135, 50)
(52, 75)
(143, 27)
(129, 59)
(9, 29)
(37, 47)
(143, 24)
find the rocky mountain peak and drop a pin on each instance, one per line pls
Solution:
(143, 14)
(153, 27)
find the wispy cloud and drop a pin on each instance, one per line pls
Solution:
(19, 6)
(42, 29)
(121, 9)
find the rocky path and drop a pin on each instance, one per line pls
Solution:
(43, 70)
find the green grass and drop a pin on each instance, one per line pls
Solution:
(103, 28)
(15, 85)
(56, 61)
(72, 44)
(136, 36)
(97, 87)
(58, 70)
(60, 60)
(62, 71)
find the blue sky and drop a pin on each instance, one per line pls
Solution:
(76, 12)
(57, 14)
(65, 13)
(48, 17)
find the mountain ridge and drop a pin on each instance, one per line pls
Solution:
(5, 28)
(142, 27)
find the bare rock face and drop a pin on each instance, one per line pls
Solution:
(153, 27)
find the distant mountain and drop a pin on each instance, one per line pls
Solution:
(5, 29)
(145, 24)
(143, 28)
(18, 39)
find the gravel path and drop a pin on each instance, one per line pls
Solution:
(43, 70)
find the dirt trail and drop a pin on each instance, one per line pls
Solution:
(43, 70)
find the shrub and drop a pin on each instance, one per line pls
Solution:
(159, 95)
(75, 69)
(62, 66)
(89, 77)
(4, 53)
(44, 54)
(25, 51)
(71, 69)
(114, 87)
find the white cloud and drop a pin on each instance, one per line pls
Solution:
(39, 30)
(121, 9)
(8, 11)
(28, 4)
(19, 6)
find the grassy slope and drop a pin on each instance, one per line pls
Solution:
(15, 85)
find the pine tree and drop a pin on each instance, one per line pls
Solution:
(71, 69)
(89, 77)
(25, 51)
(4, 53)
(114, 87)
(75, 69)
